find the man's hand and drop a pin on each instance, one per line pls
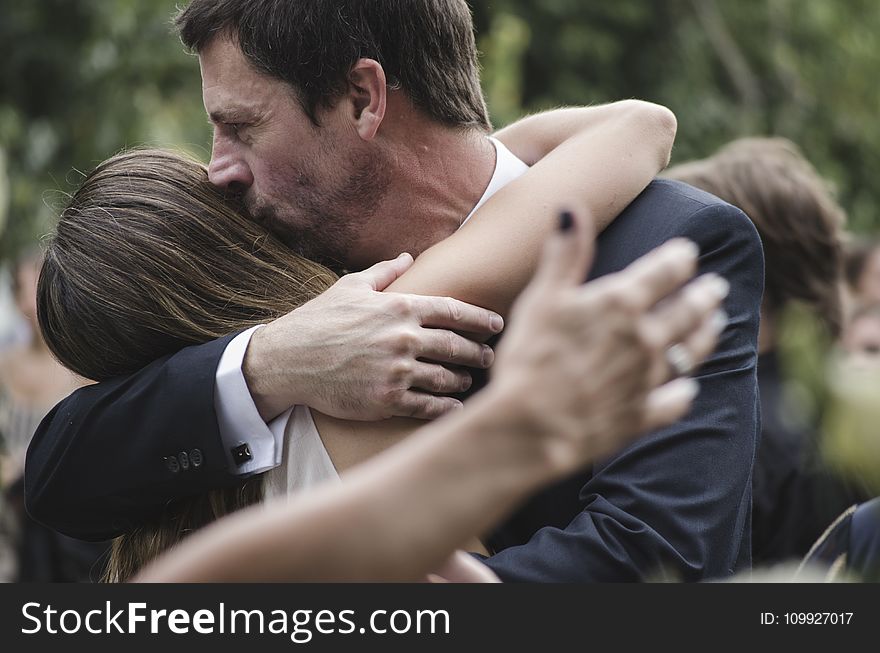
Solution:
(588, 364)
(358, 353)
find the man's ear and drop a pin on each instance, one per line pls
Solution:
(368, 95)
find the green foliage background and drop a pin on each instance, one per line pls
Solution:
(82, 79)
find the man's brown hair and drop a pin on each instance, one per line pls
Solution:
(426, 47)
(799, 222)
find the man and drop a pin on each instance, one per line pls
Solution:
(299, 93)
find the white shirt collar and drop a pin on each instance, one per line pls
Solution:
(507, 168)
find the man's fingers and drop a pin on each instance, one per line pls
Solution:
(383, 274)
(439, 379)
(424, 406)
(567, 253)
(669, 403)
(448, 313)
(657, 274)
(447, 347)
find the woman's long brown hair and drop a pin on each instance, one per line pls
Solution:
(148, 258)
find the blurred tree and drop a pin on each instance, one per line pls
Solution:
(84, 78)
(728, 68)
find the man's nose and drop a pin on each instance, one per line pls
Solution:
(228, 170)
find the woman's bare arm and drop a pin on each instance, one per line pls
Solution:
(593, 161)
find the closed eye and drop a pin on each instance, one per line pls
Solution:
(227, 122)
(232, 129)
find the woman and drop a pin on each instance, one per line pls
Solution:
(146, 260)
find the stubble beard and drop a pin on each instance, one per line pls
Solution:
(325, 225)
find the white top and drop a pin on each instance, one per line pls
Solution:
(507, 168)
(304, 459)
(296, 441)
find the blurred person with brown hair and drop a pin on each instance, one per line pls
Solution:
(800, 225)
(31, 382)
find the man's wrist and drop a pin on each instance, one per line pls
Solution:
(266, 382)
(250, 445)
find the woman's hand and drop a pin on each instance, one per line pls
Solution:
(463, 568)
(588, 364)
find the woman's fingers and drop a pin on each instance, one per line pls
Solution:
(567, 254)
(703, 340)
(668, 403)
(463, 568)
(654, 276)
(679, 319)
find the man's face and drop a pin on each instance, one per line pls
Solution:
(317, 188)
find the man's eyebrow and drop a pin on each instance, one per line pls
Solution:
(227, 116)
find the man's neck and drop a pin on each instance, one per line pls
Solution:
(438, 176)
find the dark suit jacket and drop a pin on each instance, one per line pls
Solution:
(681, 498)
(677, 503)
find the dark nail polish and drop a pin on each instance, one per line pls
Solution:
(566, 221)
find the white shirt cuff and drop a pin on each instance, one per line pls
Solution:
(258, 445)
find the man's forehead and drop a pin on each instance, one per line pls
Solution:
(230, 102)
(223, 65)
(231, 86)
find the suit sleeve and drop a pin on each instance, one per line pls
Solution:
(111, 455)
(676, 504)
